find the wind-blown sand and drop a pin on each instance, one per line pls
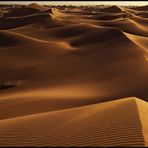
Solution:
(73, 76)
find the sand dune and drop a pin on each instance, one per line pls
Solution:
(141, 8)
(9, 22)
(37, 7)
(109, 16)
(112, 9)
(142, 14)
(63, 72)
(104, 124)
(21, 12)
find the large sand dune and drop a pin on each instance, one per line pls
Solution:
(73, 76)
(114, 123)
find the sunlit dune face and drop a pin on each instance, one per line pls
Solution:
(77, 92)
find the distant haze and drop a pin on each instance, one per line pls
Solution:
(78, 3)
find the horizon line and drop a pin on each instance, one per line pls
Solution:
(78, 3)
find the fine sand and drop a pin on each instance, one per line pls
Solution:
(73, 76)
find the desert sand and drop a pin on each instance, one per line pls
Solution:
(73, 76)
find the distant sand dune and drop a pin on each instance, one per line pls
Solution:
(141, 8)
(112, 9)
(7, 23)
(37, 7)
(21, 12)
(142, 14)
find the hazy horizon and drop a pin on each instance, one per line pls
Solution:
(122, 3)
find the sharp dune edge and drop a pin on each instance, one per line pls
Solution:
(114, 123)
(73, 76)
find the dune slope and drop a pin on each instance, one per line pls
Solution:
(114, 123)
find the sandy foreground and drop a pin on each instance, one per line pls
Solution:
(73, 76)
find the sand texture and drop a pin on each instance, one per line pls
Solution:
(73, 76)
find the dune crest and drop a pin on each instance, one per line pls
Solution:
(37, 7)
(103, 124)
(112, 9)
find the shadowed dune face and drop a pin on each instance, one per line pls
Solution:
(60, 64)
(112, 9)
(21, 12)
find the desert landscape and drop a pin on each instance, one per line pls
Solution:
(73, 75)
